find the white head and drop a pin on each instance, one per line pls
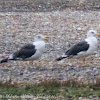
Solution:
(40, 37)
(91, 33)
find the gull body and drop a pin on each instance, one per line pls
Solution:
(83, 48)
(31, 51)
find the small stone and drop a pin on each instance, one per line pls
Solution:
(79, 28)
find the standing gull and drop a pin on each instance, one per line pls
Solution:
(83, 48)
(29, 51)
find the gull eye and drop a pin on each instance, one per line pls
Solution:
(92, 32)
(39, 37)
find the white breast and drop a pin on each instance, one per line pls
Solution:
(92, 41)
(40, 49)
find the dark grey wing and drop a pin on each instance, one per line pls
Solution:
(81, 46)
(28, 46)
(25, 52)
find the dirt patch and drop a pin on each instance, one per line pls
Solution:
(47, 5)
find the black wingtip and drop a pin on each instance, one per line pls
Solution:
(60, 58)
(4, 60)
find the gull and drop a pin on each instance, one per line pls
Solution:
(31, 51)
(83, 48)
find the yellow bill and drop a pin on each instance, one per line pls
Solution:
(45, 38)
(98, 34)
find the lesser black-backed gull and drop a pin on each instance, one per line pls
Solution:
(83, 48)
(29, 51)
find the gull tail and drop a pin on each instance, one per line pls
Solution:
(4, 60)
(60, 58)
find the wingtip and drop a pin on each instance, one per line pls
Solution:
(4, 60)
(60, 58)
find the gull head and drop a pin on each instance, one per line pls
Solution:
(91, 33)
(40, 37)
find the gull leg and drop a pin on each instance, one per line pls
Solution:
(30, 63)
(84, 62)
(91, 63)
(37, 63)
(33, 63)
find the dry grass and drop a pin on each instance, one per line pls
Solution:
(71, 90)
(55, 83)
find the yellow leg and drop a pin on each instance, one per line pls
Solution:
(34, 63)
(30, 63)
(84, 62)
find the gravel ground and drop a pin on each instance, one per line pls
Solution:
(65, 27)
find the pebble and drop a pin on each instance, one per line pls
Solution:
(65, 27)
